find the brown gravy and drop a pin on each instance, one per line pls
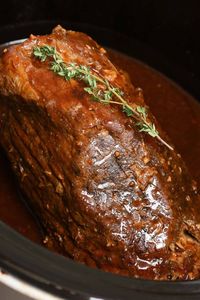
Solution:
(177, 111)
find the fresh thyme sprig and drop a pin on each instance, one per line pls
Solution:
(98, 87)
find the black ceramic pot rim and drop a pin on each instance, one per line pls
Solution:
(59, 275)
(63, 277)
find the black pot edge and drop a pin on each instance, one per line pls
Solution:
(44, 269)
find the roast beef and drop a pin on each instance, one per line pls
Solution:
(106, 194)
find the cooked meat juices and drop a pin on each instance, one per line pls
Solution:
(105, 193)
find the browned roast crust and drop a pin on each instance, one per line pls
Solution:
(107, 195)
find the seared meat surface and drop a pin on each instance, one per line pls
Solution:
(106, 194)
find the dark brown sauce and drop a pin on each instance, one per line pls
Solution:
(177, 112)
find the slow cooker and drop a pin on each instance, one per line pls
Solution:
(37, 272)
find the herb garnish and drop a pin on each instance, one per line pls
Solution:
(98, 87)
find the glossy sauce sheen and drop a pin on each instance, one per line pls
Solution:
(177, 112)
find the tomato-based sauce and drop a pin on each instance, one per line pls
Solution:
(177, 112)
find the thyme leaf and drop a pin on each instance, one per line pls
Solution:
(142, 110)
(150, 129)
(98, 87)
(128, 111)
